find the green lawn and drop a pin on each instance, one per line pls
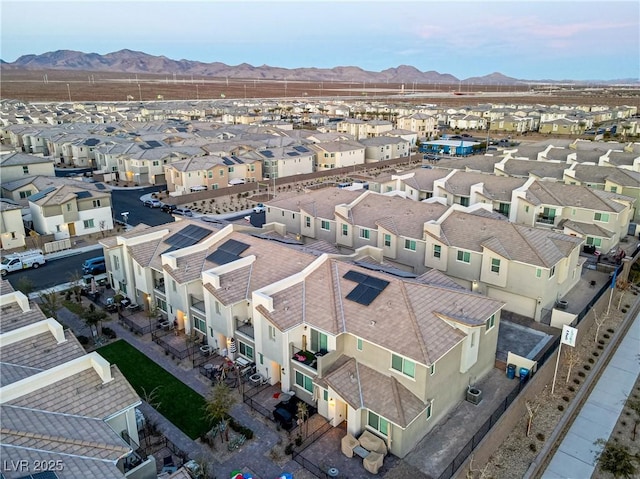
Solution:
(173, 399)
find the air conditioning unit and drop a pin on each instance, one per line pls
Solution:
(474, 395)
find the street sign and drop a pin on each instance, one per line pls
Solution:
(569, 335)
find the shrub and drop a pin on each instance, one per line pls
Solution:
(298, 440)
(540, 436)
(288, 449)
(533, 447)
(109, 333)
(560, 407)
(83, 340)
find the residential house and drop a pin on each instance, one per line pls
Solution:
(14, 166)
(287, 161)
(60, 405)
(382, 148)
(567, 207)
(361, 129)
(12, 234)
(66, 211)
(425, 125)
(527, 268)
(561, 126)
(338, 154)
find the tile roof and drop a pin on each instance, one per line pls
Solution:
(13, 317)
(35, 354)
(82, 394)
(318, 203)
(552, 193)
(534, 246)
(360, 386)
(407, 315)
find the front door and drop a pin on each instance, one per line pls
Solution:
(72, 229)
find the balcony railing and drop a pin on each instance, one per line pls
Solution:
(159, 286)
(245, 327)
(308, 358)
(547, 220)
(197, 304)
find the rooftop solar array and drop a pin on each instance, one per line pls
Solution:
(227, 161)
(301, 149)
(188, 236)
(154, 144)
(267, 153)
(91, 142)
(293, 153)
(237, 160)
(227, 252)
(41, 194)
(83, 194)
(39, 475)
(368, 287)
(100, 186)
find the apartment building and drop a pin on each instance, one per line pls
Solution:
(422, 338)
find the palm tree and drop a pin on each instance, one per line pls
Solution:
(303, 413)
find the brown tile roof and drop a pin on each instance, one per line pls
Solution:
(12, 317)
(361, 387)
(35, 354)
(535, 246)
(83, 394)
(5, 287)
(406, 316)
(317, 203)
(552, 193)
(422, 179)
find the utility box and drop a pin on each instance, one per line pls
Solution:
(474, 395)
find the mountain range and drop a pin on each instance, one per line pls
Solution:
(129, 61)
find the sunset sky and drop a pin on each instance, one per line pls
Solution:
(534, 40)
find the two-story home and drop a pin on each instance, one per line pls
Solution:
(382, 148)
(14, 166)
(600, 217)
(12, 234)
(424, 124)
(382, 353)
(528, 268)
(287, 161)
(338, 154)
(69, 210)
(60, 405)
(361, 129)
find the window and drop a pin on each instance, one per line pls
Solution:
(116, 263)
(156, 163)
(325, 225)
(359, 344)
(437, 250)
(526, 209)
(549, 213)
(318, 341)
(231, 169)
(464, 256)
(378, 423)
(495, 265)
(307, 221)
(173, 285)
(490, 323)
(464, 201)
(604, 217)
(161, 304)
(387, 240)
(96, 203)
(245, 350)
(594, 241)
(25, 170)
(428, 410)
(200, 324)
(88, 223)
(209, 174)
(304, 382)
(365, 233)
(217, 304)
(410, 244)
(345, 230)
(432, 369)
(552, 271)
(614, 189)
(25, 194)
(221, 172)
(538, 273)
(68, 205)
(403, 365)
(272, 333)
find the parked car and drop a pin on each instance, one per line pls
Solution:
(183, 212)
(94, 266)
(168, 208)
(259, 208)
(152, 203)
(20, 261)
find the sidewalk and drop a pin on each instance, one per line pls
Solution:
(575, 458)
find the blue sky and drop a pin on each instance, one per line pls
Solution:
(533, 40)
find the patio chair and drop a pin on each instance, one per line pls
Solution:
(373, 462)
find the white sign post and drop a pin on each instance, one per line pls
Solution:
(568, 337)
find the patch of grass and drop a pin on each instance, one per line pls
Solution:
(75, 308)
(176, 401)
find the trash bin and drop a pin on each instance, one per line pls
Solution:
(511, 371)
(524, 375)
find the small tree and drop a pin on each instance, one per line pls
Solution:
(600, 320)
(77, 281)
(50, 304)
(25, 285)
(303, 413)
(634, 405)
(616, 459)
(93, 317)
(571, 358)
(218, 405)
(532, 409)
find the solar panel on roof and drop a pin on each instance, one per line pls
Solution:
(233, 246)
(368, 287)
(188, 236)
(267, 153)
(301, 149)
(83, 194)
(293, 153)
(154, 144)
(91, 142)
(42, 194)
(237, 160)
(227, 161)
(227, 252)
(40, 475)
(220, 257)
(100, 186)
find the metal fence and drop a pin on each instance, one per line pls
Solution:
(248, 398)
(135, 327)
(297, 456)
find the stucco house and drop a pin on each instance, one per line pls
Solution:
(14, 166)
